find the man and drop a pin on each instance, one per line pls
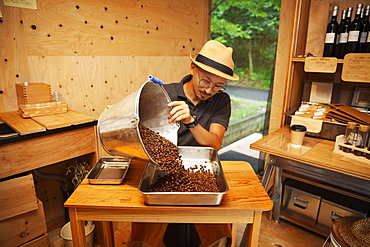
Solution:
(199, 102)
(203, 110)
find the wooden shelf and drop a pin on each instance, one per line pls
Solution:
(302, 60)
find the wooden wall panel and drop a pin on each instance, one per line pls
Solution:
(95, 52)
(13, 60)
(114, 28)
(284, 54)
(89, 84)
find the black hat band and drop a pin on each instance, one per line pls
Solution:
(211, 63)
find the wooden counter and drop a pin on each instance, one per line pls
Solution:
(34, 205)
(315, 164)
(243, 203)
(42, 149)
(321, 156)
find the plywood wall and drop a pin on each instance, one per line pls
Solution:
(97, 52)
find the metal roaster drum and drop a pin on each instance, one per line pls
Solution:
(118, 126)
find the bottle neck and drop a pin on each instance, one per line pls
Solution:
(358, 12)
(343, 16)
(349, 14)
(367, 12)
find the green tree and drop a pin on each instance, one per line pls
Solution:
(251, 28)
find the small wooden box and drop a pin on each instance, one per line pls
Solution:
(17, 196)
(22, 228)
(33, 93)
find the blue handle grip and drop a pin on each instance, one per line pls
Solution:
(155, 80)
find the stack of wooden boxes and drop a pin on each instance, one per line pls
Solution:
(22, 220)
(34, 99)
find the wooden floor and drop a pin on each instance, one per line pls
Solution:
(283, 234)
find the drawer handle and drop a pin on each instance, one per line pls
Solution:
(298, 202)
(335, 215)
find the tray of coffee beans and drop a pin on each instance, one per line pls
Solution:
(186, 175)
(109, 170)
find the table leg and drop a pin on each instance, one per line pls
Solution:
(78, 229)
(267, 176)
(233, 234)
(108, 234)
(278, 193)
(254, 230)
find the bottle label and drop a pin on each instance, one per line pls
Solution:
(343, 37)
(337, 39)
(330, 38)
(353, 36)
(368, 37)
(363, 37)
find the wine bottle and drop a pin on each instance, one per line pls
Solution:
(354, 31)
(331, 31)
(343, 35)
(364, 31)
(340, 27)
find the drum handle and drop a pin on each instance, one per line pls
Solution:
(155, 80)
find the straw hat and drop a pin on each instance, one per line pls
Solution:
(355, 232)
(217, 59)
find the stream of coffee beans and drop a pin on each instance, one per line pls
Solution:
(166, 154)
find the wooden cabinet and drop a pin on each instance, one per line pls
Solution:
(302, 31)
(25, 218)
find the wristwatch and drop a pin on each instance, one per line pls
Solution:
(192, 124)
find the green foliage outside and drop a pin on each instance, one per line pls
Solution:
(251, 28)
(242, 108)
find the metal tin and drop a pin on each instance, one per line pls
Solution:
(109, 170)
(302, 201)
(190, 156)
(118, 126)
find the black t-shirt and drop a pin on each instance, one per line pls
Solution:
(216, 109)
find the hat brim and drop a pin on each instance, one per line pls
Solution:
(214, 71)
(352, 230)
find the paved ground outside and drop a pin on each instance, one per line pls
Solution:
(240, 150)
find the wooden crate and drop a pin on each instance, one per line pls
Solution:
(43, 109)
(23, 228)
(17, 196)
(33, 93)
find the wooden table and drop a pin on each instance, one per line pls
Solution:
(318, 165)
(243, 203)
(320, 155)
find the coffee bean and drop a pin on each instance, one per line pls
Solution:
(178, 179)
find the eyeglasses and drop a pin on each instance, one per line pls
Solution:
(203, 83)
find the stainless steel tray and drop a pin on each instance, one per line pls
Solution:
(191, 156)
(109, 170)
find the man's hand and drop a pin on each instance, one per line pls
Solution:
(180, 112)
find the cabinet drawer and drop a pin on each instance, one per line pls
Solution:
(335, 205)
(302, 200)
(330, 211)
(42, 241)
(22, 228)
(17, 196)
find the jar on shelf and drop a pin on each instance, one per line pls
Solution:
(361, 139)
(57, 97)
(367, 155)
(349, 136)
